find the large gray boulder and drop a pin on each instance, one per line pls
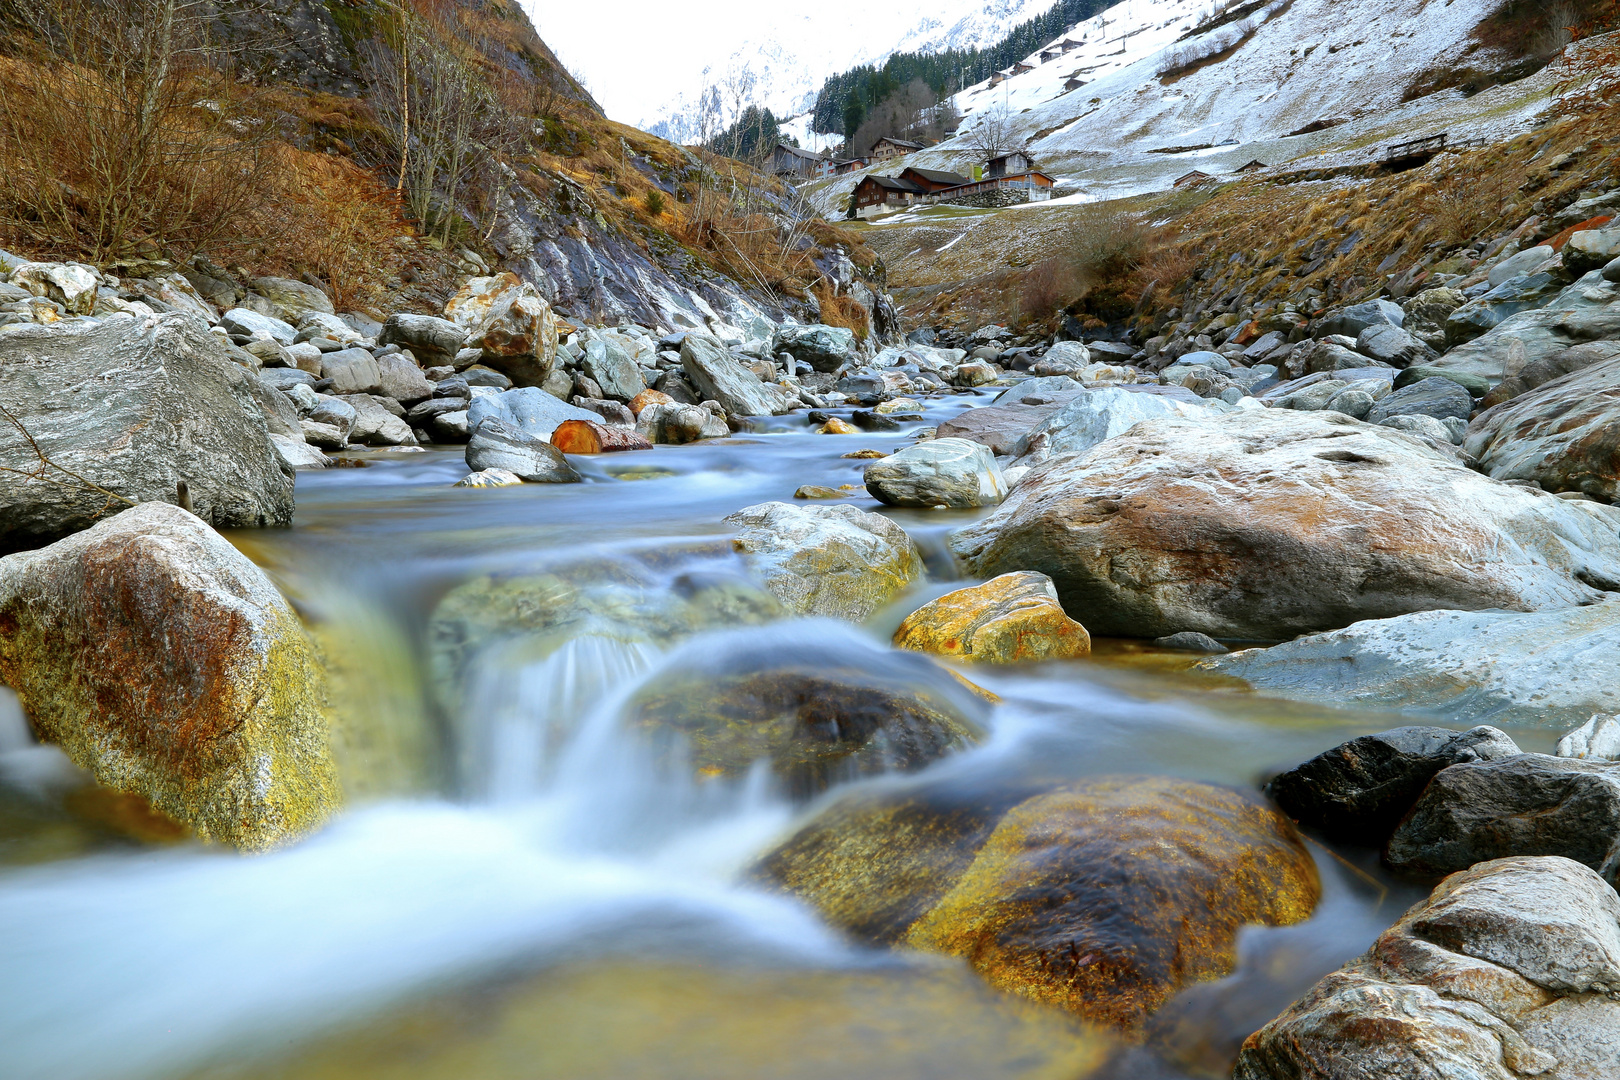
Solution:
(1392, 345)
(495, 444)
(104, 415)
(957, 473)
(1545, 668)
(1351, 321)
(612, 369)
(432, 340)
(1588, 310)
(1556, 366)
(292, 299)
(400, 378)
(824, 348)
(1357, 792)
(351, 371)
(1268, 524)
(1509, 969)
(1591, 249)
(1531, 804)
(826, 560)
(375, 424)
(1099, 415)
(1482, 314)
(1436, 396)
(667, 423)
(1565, 434)
(528, 408)
(164, 662)
(1004, 428)
(250, 323)
(720, 377)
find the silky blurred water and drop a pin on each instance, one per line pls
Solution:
(517, 873)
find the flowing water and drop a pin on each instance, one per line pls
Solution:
(521, 886)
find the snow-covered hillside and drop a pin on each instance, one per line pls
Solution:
(1157, 76)
(784, 64)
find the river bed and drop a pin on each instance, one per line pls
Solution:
(522, 889)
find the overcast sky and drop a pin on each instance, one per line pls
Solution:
(633, 53)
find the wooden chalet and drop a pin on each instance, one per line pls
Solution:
(854, 164)
(1048, 55)
(998, 78)
(1194, 179)
(887, 148)
(1074, 82)
(1069, 45)
(1019, 68)
(1033, 186)
(874, 193)
(932, 180)
(1254, 166)
(1015, 162)
(792, 161)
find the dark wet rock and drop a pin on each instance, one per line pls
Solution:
(1510, 969)
(1357, 792)
(1190, 641)
(1438, 397)
(1553, 367)
(177, 410)
(495, 444)
(431, 340)
(1351, 321)
(826, 560)
(1530, 804)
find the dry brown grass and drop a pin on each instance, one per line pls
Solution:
(842, 311)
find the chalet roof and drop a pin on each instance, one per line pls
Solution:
(1253, 166)
(891, 183)
(1021, 67)
(901, 142)
(936, 176)
(1011, 154)
(1193, 177)
(797, 151)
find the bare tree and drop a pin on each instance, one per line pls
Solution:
(993, 135)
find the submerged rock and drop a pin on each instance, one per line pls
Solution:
(1530, 804)
(1509, 969)
(940, 472)
(163, 661)
(1357, 792)
(826, 560)
(1268, 525)
(1015, 618)
(1102, 897)
(1542, 668)
(130, 407)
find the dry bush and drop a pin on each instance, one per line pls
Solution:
(1049, 285)
(123, 130)
(1461, 208)
(842, 311)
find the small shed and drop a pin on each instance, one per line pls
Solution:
(1020, 67)
(998, 78)
(1194, 179)
(1048, 55)
(1007, 164)
(1254, 166)
(1069, 45)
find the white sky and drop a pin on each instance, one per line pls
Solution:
(635, 54)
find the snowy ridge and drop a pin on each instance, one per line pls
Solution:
(783, 66)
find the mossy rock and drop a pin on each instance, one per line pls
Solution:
(1014, 618)
(816, 727)
(1103, 897)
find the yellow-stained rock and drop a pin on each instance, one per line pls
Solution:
(897, 405)
(865, 455)
(1103, 897)
(163, 661)
(836, 426)
(1106, 897)
(649, 397)
(1011, 619)
(818, 491)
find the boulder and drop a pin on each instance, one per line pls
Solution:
(123, 411)
(490, 478)
(649, 397)
(940, 472)
(1516, 295)
(352, 371)
(1015, 618)
(1591, 250)
(1104, 897)
(1519, 263)
(1329, 356)
(826, 560)
(679, 424)
(1266, 525)
(1427, 312)
(283, 379)
(375, 424)
(291, 299)
(73, 285)
(1596, 740)
(1440, 434)
(1351, 321)
(252, 324)
(1190, 641)
(495, 444)
(1437, 396)
(612, 369)
(824, 348)
(1002, 428)
(1476, 386)
(325, 436)
(977, 373)
(1099, 415)
(511, 325)
(1507, 970)
(529, 409)
(815, 723)
(1392, 345)
(1529, 804)
(1467, 667)
(400, 379)
(164, 662)
(1564, 434)
(299, 453)
(1553, 367)
(718, 376)
(432, 341)
(1357, 792)
(1589, 310)
(1048, 387)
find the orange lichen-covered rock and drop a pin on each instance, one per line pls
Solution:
(836, 426)
(1011, 619)
(163, 661)
(650, 397)
(1104, 897)
(589, 437)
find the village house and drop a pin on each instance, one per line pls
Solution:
(932, 180)
(792, 161)
(1254, 166)
(888, 148)
(1019, 68)
(876, 194)
(1015, 162)
(854, 164)
(1194, 179)
(1069, 45)
(1051, 54)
